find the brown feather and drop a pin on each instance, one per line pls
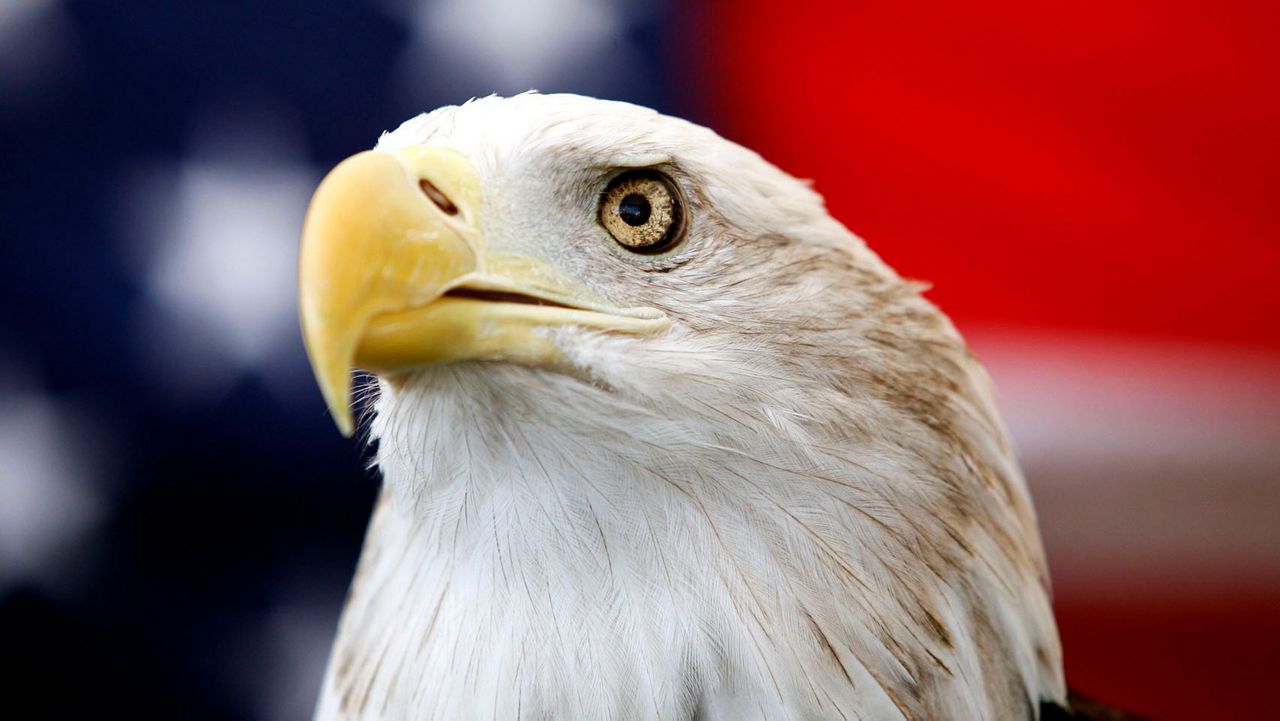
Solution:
(1083, 708)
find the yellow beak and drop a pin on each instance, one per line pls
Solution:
(394, 274)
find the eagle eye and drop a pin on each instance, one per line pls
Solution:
(643, 211)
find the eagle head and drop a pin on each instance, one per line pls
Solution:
(660, 438)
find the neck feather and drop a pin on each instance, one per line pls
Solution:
(621, 549)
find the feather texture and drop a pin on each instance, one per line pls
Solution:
(798, 503)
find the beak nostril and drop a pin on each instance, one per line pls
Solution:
(440, 199)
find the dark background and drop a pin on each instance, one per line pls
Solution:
(1091, 187)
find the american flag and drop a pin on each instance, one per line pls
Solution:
(1091, 189)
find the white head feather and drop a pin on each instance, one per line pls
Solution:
(797, 503)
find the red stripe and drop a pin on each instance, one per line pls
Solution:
(1089, 166)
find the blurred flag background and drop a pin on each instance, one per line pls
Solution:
(1092, 188)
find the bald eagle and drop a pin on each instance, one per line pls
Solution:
(659, 438)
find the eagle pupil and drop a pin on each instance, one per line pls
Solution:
(634, 209)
